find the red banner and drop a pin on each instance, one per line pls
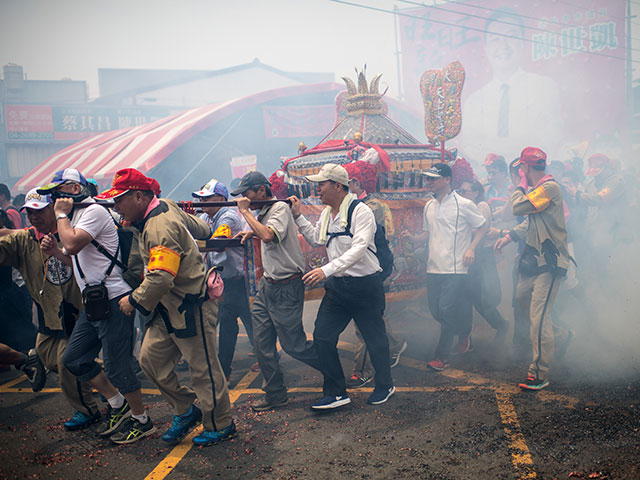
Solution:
(541, 73)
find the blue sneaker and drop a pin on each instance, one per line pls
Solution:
(80, 420)
(380, 396)
(329, 403)
(209, 437)
(182, 424)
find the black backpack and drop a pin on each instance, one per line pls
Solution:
(383, 252)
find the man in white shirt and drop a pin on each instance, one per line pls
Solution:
(80, 230)
(454, 227)
(353, 289)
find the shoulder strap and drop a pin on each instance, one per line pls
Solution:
(105, 252)
(347, 229)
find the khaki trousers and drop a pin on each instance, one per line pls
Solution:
(78, 394)
(161, 351)
(535, 297)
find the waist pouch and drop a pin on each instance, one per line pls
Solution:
(95, 299)
(528, 264)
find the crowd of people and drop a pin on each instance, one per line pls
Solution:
(72, 255)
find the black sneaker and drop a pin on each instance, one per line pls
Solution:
(132, 430)
(115, 417)
(357, 381)
(381, 396)
(263, 405)
(330, 403)
(34, 369)
(395, 358)
(533, 383)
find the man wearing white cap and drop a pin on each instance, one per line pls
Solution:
(56, 295)
(225, 222)
(354, 286)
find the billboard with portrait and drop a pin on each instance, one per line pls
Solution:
(542, 73)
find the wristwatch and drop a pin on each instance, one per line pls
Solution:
(61, 215)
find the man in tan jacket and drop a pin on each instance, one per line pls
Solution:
(49, 278)
(544, 260)
(183, 323)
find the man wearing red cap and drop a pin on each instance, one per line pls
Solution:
(543, 262)
(174, 289)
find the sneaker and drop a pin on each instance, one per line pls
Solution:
(209, 437)
(380, 396)
(263, 405)
(356, 381)
(132, 430)
(464, 345)
(562, 348)
(395, 358)
(329, 403)
(438, 364)
(115, 417)
(533, 383)
(34, 369)
(80, 421)
(182, 424)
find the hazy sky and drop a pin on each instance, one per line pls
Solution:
(73, 38)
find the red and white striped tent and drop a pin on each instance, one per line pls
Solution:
(145, 146)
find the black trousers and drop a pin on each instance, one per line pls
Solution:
(360, 298)
(450, 305)
(234, 304)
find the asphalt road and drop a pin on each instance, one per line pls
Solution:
(470, 421)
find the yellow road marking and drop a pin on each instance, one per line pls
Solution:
(176, 454)
(520, 456)
(5, 387)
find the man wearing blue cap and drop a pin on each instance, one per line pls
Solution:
(101, 325)
(226, 223)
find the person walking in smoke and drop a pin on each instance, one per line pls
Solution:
(454, 227)
(484, 282)
(226, 223)
(276, 312)
(353, 290)
(543, 262)
(183, 323)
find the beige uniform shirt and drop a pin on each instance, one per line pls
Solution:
(174, 283)
(61, 301)
(545, 220)
(282, 257)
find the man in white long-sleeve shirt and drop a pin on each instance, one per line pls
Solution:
(353, 288)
